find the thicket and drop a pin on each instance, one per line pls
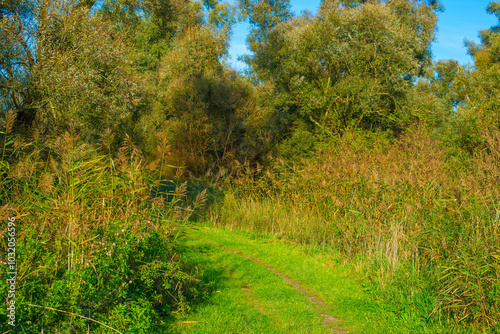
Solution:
(95, 230)
(407, 211)
(92, 241)
(343, 132)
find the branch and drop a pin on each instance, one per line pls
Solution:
(20, 39)
(86, 4)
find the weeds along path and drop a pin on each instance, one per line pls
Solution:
(331, 323)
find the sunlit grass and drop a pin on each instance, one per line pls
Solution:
(323, 274)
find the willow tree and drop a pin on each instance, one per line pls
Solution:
(63, 63)
(354, 64)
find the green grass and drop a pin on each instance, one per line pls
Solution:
(244, 297)
(250, 298)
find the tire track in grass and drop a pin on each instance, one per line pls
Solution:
(332, 323)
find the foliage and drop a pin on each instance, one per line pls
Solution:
(478, 88)
(65, 64)
(206, 102)
(343, 133)
(90, 239)
(351, 65)
(263, 17)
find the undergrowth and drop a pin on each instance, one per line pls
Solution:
(95, 251)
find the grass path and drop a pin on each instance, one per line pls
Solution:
(261, 285)
(331, 323)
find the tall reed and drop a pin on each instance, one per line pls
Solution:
(95, 249)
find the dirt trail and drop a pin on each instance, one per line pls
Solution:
(332, 323)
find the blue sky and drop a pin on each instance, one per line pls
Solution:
(462, 19)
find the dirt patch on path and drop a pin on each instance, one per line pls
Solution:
(332, 323)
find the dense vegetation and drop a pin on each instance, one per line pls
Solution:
(342, 132)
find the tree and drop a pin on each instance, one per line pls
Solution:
(351, 66)
(204, 102)
(18, 26)
(433, 98)
(152, 25)
(62, 63)
(264, 16)
(479, 89)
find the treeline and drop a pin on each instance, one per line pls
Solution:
(158, 72)
(132, 92)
